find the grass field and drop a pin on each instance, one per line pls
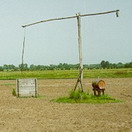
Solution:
(65, 74)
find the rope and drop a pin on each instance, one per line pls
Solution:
(23, 49)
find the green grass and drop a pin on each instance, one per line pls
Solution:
(7, 84)
(66, 74)
(82, 97)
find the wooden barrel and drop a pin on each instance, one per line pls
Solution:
(98, 84)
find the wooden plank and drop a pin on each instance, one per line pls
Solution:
(27, 87)
(17, 87)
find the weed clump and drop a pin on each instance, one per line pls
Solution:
(78, 95)
(75, 95)
(14, 92)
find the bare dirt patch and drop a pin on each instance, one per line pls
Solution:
(36, 115)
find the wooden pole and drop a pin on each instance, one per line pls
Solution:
(80, 79)
(71, 17)
(23, 49)
(80, 46)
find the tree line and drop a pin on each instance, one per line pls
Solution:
(64, 66)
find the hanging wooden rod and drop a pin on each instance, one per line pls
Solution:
(70, 17)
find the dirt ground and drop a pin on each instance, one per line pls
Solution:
(42, 115)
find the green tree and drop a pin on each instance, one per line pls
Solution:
(105, 64)
(23, 67)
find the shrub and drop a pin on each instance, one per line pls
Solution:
(14, 92)
(84, 95)
(78, 95)
(75, 95)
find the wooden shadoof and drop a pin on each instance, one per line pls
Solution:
(78, 17)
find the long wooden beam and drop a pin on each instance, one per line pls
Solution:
(70, 17)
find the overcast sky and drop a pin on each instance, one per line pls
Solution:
(104, 37)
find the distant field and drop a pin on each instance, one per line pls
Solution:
(65, 74)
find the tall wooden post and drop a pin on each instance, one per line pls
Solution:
(80, 53)
(23, 49)
(80, 44)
